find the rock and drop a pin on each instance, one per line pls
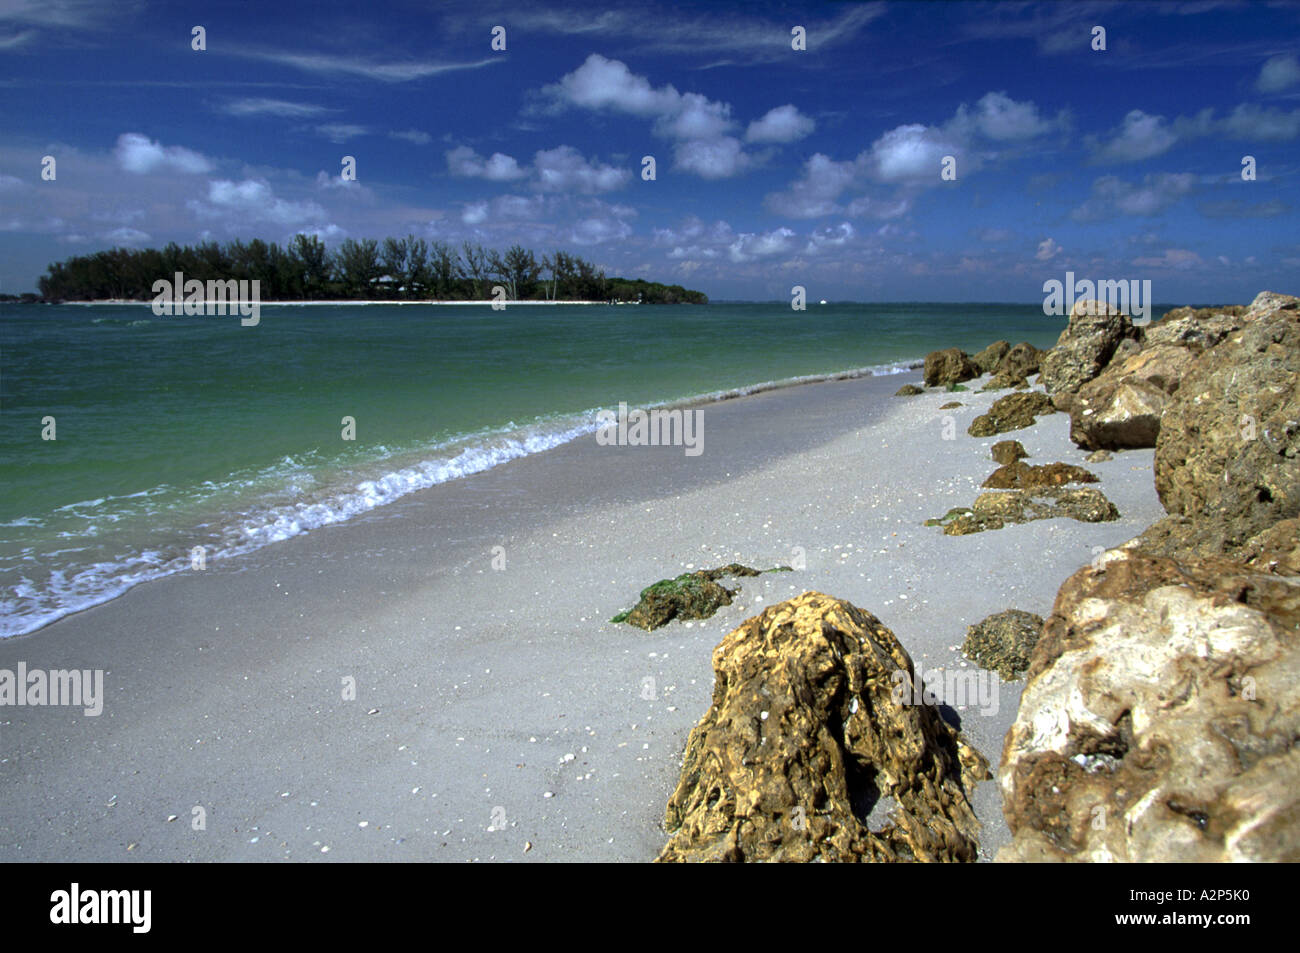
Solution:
(1025, 476)
(1159, 718)
(998, 509)
(908, 390)
(1197, 328)
(1275, 549)
(1001, 381)
(987, 360)
(1229, 445)
(1085, 346)
(951, 366)
(1099, 456)
(1266, 302)
(1002, 642)
(808, 730)
(692, 595)
(1012, 412)
(1019, 362)
(951, 405)
(1121, 408)
(1008, 451)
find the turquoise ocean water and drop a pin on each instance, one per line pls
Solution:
(195, 431)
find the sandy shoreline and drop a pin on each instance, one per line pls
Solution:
(224, 688)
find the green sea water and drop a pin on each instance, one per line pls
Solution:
(177, 432)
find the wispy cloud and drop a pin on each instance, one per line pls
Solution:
(390, 72)
(257, 106)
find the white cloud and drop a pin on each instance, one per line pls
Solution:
(341, 131)
(815, 192)
(137, 153)
(1278, 73)
(1047, 249)
(563, 169)
(254, 106)
(349, 66)
(910, 153)
(601, 83)
(1112, 196)
(464, 161)
(782, 124)
(253, 200)
(412, 135)
(1140, 136)
(700, 125)
(1260, 123)
(830, 237)
(712, 158)
(1000, 118)
(126, 236)
(749, 246)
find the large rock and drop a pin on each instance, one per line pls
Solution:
(951, 366)
(1121, 408)
(1019, 362)
(1012, 412)
(1195, 327)
(808, 731)
(1085, 347)
(1159, 717)
(987, 360)
(1229, 444)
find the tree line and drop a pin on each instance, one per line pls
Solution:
(396, 269)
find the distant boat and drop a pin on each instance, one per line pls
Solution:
(823, 301)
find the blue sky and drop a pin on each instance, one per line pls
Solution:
(774, 166)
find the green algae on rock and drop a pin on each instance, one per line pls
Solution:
(692, 595)
(946, 518)
(811, 726)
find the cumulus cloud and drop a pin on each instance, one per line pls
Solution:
(253, 200)
(1047, 249)
(815, 193)
(565, 170)
(749, 246)
(910, 153)
(823, 238)
(701, 126)
(1112, 196)
(1278, 73)
(1140, 136)
(464, 161)
(712, 158)
(779, 125)
(999, 117)
(138, 153)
